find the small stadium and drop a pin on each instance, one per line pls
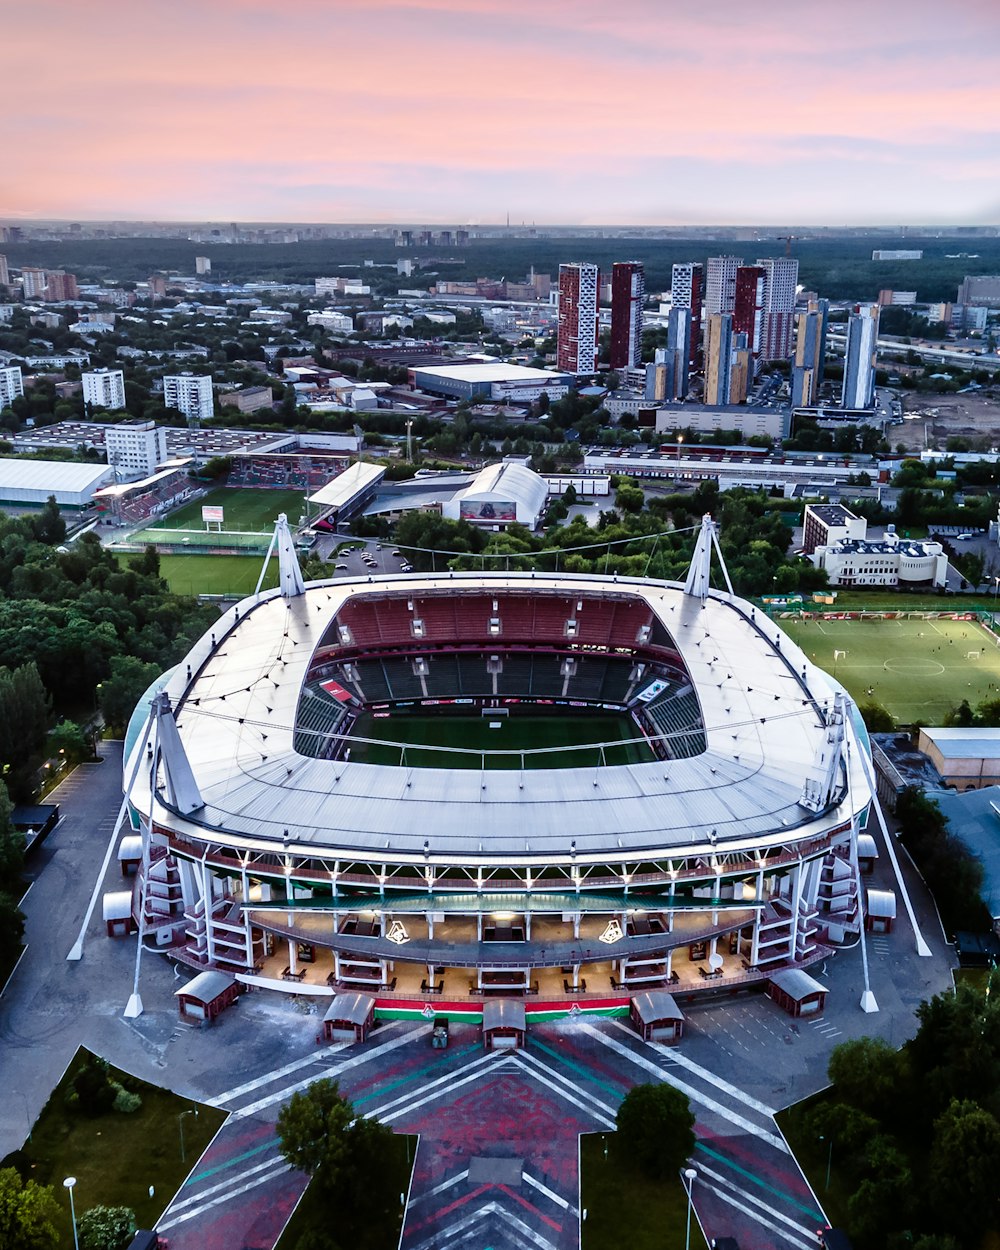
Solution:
(245, 523)
(917, 665)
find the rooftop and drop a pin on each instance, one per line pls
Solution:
(760, 700)
(498, 372)
(975, 743)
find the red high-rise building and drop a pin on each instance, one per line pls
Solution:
(628, 291)
(748, 310)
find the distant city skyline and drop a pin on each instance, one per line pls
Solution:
(452, 111)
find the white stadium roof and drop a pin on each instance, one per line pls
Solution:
(510, 481)
(760, 698)
(342, 489)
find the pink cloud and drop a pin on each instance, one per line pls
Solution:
(155, 107)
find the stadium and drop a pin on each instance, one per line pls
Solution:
(556, 787)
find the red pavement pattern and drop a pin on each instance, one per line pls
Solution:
(468, 1106)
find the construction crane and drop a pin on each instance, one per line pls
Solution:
(788, 240)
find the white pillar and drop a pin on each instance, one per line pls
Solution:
(293, 959)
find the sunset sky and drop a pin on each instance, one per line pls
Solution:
(575, 111)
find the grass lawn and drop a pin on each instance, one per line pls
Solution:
(245, 509)
(213, 575)
(916, 669)
(890, 601)
(625, 1209)
(374, 1224)
(116, 1157)
(814, 1156)
(422, 732)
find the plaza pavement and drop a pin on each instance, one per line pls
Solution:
(496, 1163)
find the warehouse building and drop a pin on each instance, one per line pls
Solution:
(31, 482)
(516, 384)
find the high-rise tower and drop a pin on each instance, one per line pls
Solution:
(781, 278)
(720, 284)
(687, 285)
(628, 290)
(859, 357)
(576, 345)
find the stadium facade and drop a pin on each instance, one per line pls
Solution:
(283, 846)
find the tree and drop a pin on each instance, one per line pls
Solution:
(49, 526)
(964, 1165)
(130, 679)
(68, 740)
(629, 498)
(319, 1132)
(877, 719)
(29, 1214)
(106, 1228)
(24, 714)
(867, 1073)
(655, 1129)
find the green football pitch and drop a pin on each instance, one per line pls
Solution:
(917, 669)
(212, 575)
(244, 509)
(423, 732)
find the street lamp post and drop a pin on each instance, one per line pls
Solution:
(180, 1123)
(68, 1183)
(829, 1160)
(689, 1175)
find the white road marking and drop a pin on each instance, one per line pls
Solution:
(333, 1071)
(766, 1207)
(552, 1196)
(704, 1074)
(439, 1189)
(249, 1086)
(695, 1095)
(449, 1081)
(217, 1202)
(526, 1235)
(243, 1175)
(777, 1231)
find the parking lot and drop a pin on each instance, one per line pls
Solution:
(368, 557)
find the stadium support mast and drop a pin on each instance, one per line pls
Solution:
(182, 789)
(700, 571)
(290, 580)
(818, 791)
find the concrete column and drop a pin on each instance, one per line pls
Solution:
(206, 898)
(293, 963)
(796, 906)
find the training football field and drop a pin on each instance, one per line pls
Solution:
(244, 509)
(917, 669)
(423, 732)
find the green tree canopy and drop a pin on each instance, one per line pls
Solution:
(106, 1228)
(655, 1128)
(29, 1214)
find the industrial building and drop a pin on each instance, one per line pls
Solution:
(499, 381)
(31, 482)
